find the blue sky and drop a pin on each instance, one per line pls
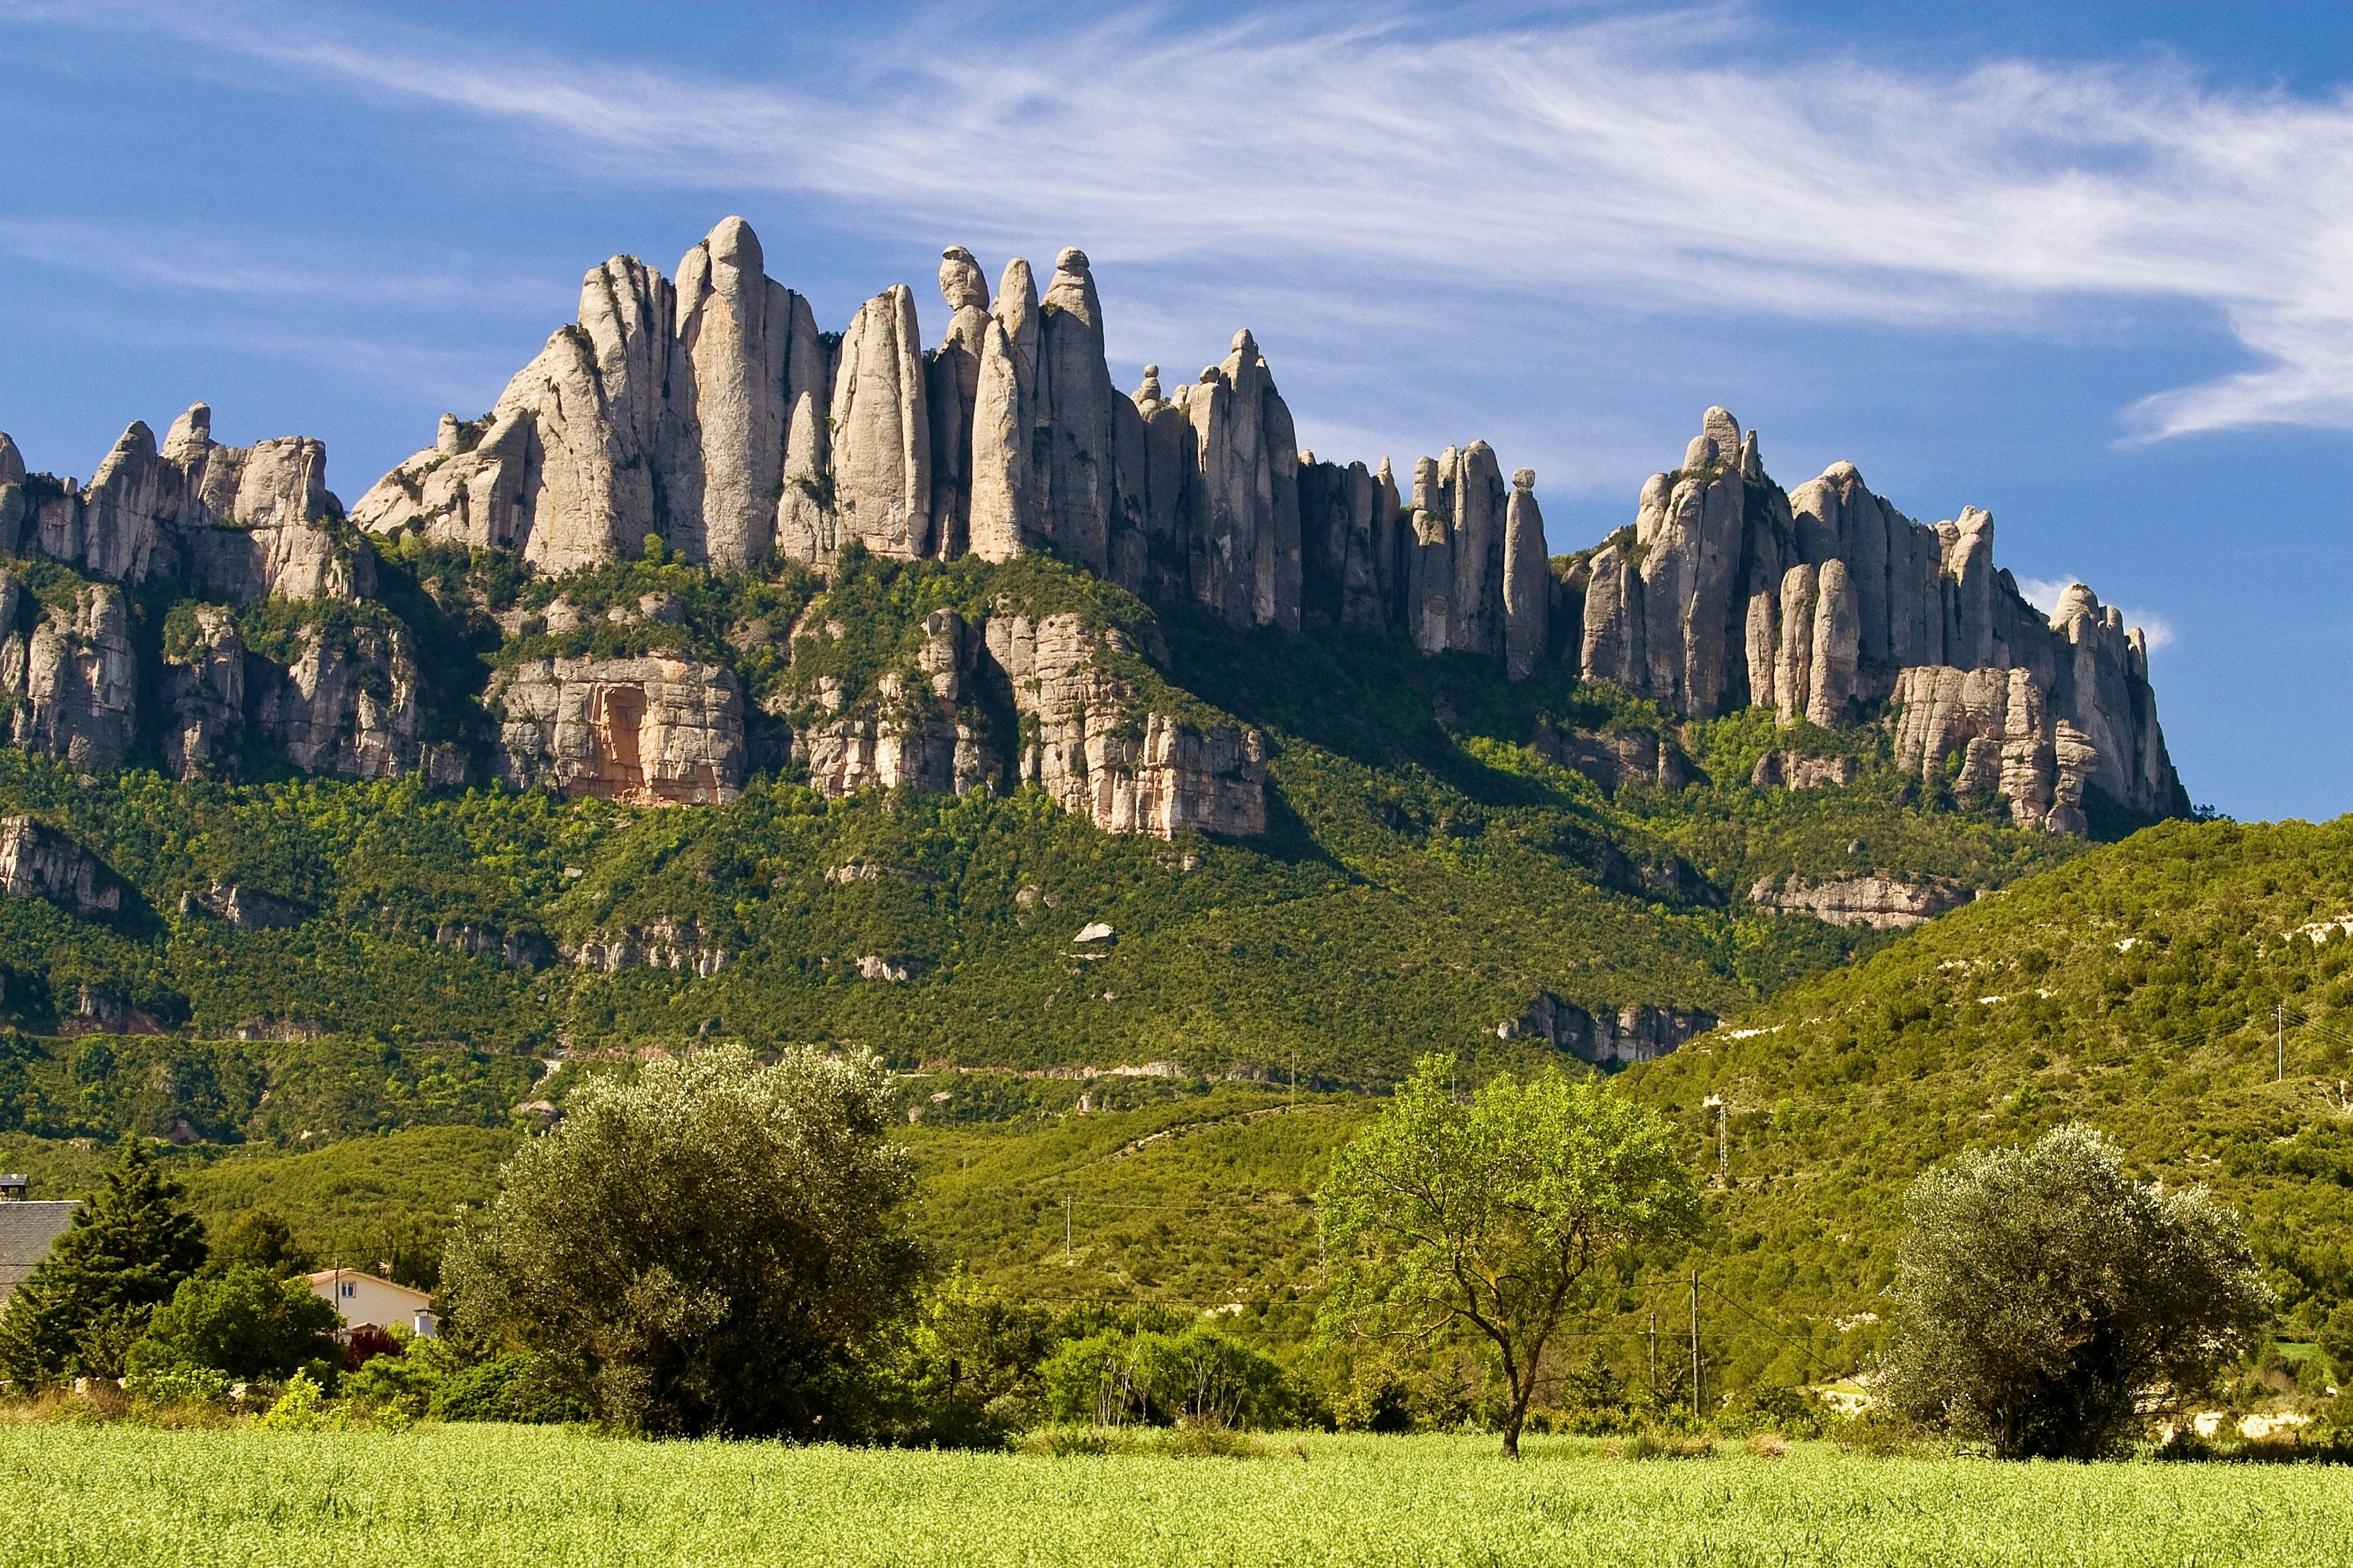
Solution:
(2089, 266)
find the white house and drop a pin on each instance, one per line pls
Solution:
(365, 1298)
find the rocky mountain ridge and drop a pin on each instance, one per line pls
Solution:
(711, 421)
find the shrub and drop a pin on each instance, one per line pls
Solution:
(707, 1248)
(1197, 1376)
(243, 1325)
(2042, 1290)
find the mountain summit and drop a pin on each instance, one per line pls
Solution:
(710, 421)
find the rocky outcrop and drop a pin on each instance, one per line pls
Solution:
(1090, 745)
(1880, 902)
(72, 679)
(351, 701)
(653, 732)
(245, 909)
(1796, 770)
(1613, 757)
(664, 943)
(1607, 1039)
(1992, 731)
(712, 417)
(921, 731)
(203, 693)
(239, 523)
(1822, 603)
(1022, 700)
(40, 862)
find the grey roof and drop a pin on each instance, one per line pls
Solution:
(26, 1232)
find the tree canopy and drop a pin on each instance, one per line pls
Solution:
(702, 1249)
(1488, 1214)
(128, 1250)
(2044, 1294)
(246, 1322)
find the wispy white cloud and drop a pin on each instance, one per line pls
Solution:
(212, 264)
(1653, 162)
(1657, 162)
(2042, 593)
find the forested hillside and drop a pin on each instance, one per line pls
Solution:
(2189, 992)
(1430, 871)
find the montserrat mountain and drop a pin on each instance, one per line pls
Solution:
(709, 420)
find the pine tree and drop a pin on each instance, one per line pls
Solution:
(126, 1252)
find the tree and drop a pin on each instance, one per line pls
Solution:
(128, 1250)
(1488, 1214)
(703, 1249)
(260, 1238)
(246, 1322)
(2042, 1293)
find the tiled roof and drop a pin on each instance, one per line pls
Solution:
(26, 1232)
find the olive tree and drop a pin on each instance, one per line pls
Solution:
(1488, 1214)
(2043, 1295)
(705, 1248)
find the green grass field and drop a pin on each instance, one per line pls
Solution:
(484, 1497)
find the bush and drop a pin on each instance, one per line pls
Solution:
(516, 1386)
(301, 1407)
(2042, 1290)
(243, 1325)
(1196, 1377)
(709, 1248)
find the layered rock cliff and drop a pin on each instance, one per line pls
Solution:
(709, 420)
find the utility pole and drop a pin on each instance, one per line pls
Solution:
(1066, 1227)
(1694, 1288)
(2279, 1040)
(1654, 1352)
(1294, 1077)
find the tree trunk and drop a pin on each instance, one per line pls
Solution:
(1517, 1416)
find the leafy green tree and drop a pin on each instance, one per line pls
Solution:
(260, 1238)
(1195, 1375)
(2042, 1293)
(2337, 1342)
(246, 1322)
(1488, 1214)
(963, 1373)
(128, 1248)
(703, 1249)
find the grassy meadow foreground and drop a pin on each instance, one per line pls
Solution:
(488, 1496)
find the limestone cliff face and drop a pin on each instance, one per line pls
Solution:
(348, 704)
(40, 862)
(230, 526)
(1826, 602)
(1087, 744)
(1610, 1038)
(1018, 699)
(653, 732)
(1881, 902)
(710, 415)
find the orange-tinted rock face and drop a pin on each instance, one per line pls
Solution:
(651, 731)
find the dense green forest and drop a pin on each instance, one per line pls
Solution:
(1427, 874)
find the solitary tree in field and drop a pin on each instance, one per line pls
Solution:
(702, 1249)
(2044, 1294)
(128, 1248)
(1489, 1215)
